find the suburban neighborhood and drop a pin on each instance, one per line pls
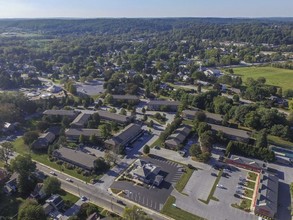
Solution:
(147, 127)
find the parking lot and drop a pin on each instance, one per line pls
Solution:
(93, 88)
(230, 185)
(153, 197)
(199, 187)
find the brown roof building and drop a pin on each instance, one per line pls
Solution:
(177, 137)
(128, 134)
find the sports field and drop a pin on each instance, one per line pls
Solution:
(274, 76)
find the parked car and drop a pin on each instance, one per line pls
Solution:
(157, 147)
(121, 202)
(69, 180)
(83, 198)
(53, 173)
(214, 174)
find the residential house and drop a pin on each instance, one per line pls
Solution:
(213, 72)
(121, 139)
(266, 203)
(80, 120)
(232, 133)
(147, 172)
(8, 127)
(11, 185)
(163, 105)
(55, 201)
(177, 137)
(43, 141)
(48, 208)
(109, 116)
(38, 192)
(73, 134)
(3, 175)
(75, 157)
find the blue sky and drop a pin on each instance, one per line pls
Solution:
(145, 8)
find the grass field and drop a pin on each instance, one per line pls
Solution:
(180, 185)
(274, 76)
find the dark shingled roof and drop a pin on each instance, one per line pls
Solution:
(164, 102)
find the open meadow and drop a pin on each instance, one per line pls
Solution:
(274, 76)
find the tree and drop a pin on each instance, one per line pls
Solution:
(111, 157)
(5, 151)
(42, 125)
(81, 138)
(146, 149)
(51, 185)
(24, 166)
(134, 213)
(31, 210)
(261, 139)
(123, 112)
(206, 141)
(30, 136)
(195, 150)
(143, 110)
(101, 165)
(86, 209)
(105, 132)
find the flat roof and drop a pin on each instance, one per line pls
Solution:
(82, 131)
(61, 112)
(213, 116)
(113, 116)
(75, 156)
(125, 97)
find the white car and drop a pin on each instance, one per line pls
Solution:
(83, 198)
(69, 180)
(52, 173)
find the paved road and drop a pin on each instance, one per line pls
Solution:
(94, 194)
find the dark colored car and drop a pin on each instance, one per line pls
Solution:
(121, 202)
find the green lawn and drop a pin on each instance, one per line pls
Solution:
(244, 205)
(250, 185)
(274, 76)
(279, 142)
(180, 185)
(66, 196)
(248, 193)
(178, 214)
(252, 176)
(157, 142)
(21, 148)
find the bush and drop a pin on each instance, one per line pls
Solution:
(239, 148)
(79, 170)
(59, 162)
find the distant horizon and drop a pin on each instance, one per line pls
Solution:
(92, 18)
(37, 9)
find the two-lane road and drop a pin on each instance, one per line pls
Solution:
(94, 194)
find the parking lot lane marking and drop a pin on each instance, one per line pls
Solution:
(143, 200)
